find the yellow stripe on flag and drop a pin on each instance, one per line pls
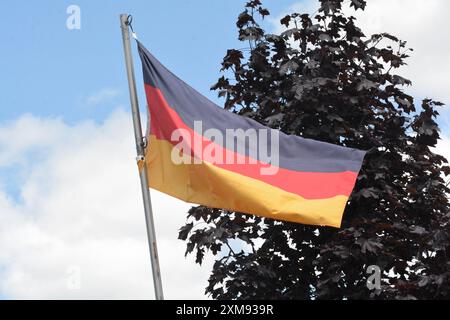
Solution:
(214, 187)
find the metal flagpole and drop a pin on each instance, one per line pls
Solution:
(140, 148)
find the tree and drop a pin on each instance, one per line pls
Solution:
(324, 79)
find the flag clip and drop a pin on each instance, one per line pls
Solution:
(144, 142)
(140, 160)
(129, 21)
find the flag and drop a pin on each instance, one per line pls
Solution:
(204, 154)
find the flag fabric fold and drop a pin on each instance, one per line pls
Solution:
(204, 154)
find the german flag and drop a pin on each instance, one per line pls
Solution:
(204, 154)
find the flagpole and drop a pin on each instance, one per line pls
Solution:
(140, 148)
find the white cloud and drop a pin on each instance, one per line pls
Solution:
(80, 207)
(443, 148)
(424, 24)
(308, 6)
(101, 96)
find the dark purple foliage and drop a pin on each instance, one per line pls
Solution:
(324, 79)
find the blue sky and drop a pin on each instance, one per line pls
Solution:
(49, 70)
(69, 189)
